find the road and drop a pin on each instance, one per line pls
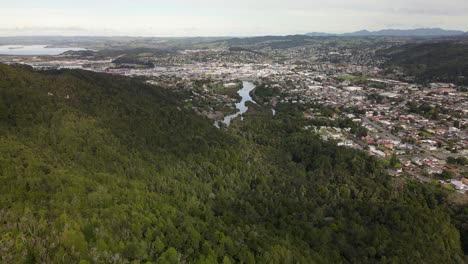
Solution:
(381, 129)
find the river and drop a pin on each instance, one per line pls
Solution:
(241, 107)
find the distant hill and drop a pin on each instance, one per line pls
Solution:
(319, 34)
(79, 53)
(434, 61)
(419, 32)
(274, 42)
(240, 49)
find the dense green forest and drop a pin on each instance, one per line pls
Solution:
(444, 61)
(97, 168)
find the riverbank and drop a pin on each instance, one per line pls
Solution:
(241, 107)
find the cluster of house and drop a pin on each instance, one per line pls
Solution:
(421, 125)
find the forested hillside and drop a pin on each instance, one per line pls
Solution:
(445, 61)
(97, 168)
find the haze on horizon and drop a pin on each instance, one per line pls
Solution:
(224, 18)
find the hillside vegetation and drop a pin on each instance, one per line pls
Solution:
(445, 61)
(104, 169)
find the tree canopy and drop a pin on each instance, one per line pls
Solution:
(105, 169)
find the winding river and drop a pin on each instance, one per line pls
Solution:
(241, 107)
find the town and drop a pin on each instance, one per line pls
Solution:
(421, 130)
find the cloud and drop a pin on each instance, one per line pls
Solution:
(41, 30)
(430, 11)
(223, 18)
(75, 28)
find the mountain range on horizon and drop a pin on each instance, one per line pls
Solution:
(418, 32)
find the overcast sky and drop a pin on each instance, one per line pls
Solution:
(224, 18)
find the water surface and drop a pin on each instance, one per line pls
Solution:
(241, 107)
(33, 50)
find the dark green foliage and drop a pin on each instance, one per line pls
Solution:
(263, 94)
(426, 110)
(125, 61)
(462, 161)
(394, 160)
(104, 169)
(239, 49)
(446, 175)
(432, 61)
(459, 217)
(274, 42)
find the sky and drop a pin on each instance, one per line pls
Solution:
(179, 18)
